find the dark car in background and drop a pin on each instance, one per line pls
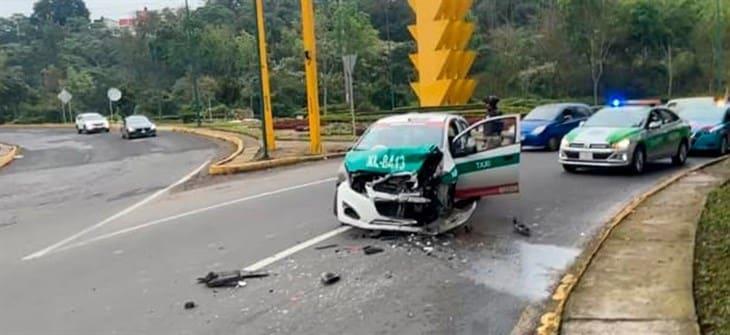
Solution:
(545, 126)
(138, 126)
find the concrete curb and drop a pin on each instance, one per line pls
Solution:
(9, 156)
(268, 164)
(219, 135)
(551, 321)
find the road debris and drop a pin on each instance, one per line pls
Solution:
(326, 246)
(371, 250)
(190, 305)
(230, 278)
(520, 228)
(329, 278)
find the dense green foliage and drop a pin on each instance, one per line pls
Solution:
(711, 271)
(527, 48)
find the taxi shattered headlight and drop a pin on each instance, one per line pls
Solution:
(622, 145)
(538, 130)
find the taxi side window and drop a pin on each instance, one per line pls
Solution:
(494, 134)
(455, 128)
(668, 116)
(654, 117)
(727, 116)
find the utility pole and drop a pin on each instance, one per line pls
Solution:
(192, 61)
(390, 56)
(310, 67)
(267, 122)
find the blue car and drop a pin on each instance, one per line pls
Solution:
(710, 126)
(545, 126)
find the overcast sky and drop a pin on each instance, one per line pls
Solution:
(108, 8)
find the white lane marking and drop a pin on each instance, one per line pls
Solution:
(126, 211)
(297, 248)
(194, 212)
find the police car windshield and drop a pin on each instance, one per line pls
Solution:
(400, 135)
(704, 114)
(619, 117)
(547, 113)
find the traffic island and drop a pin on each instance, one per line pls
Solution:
(247, 155)
(640, 279)
(7, 154)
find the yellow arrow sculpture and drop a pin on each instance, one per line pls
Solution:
(442, 61)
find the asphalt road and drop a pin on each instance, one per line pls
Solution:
(133, 275)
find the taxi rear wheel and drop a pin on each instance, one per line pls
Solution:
(680, 157)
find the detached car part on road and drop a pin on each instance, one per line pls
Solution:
(138, 126)
(91, 122)
(626, 137)
(710, 122)
(425, 173)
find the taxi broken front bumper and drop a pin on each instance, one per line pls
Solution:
(364, 210)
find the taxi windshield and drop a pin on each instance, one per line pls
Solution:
(619, 117)
(399, 135)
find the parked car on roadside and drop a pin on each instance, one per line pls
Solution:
(546, 125)
(138, 126)
(91, 122)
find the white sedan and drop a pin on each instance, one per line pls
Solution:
(425, 173)
(91, 122)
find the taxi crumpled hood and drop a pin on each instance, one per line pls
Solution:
(391, 160)
(607, 135)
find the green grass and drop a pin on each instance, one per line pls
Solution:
(712, 264)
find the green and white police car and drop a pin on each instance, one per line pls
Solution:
(626, 137)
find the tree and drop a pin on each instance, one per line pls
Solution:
(59, 11)
(664, 26)
(593, 27)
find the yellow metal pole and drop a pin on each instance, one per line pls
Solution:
(269, 138)
(310, 65)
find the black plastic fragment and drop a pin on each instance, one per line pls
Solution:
(371, 250)
(329, 278)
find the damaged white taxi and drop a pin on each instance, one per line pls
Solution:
(425, 173)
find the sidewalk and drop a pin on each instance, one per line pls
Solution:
(640, 281)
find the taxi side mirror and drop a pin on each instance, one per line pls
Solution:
(655, 125)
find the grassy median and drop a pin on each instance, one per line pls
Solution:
(712, 264)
